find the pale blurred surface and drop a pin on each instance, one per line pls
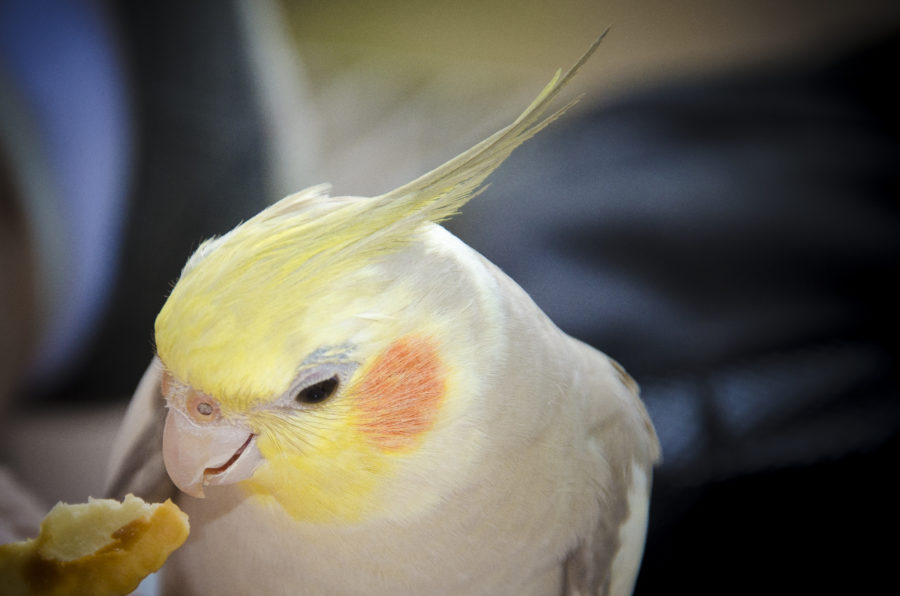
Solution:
(234, 107)
(389, 89)
(62, 453)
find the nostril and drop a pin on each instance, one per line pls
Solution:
(202, 408)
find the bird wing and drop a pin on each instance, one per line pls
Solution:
(136, 465)
(607, 559)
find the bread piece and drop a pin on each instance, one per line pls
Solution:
(102, 547)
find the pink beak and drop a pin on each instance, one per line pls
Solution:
(211, 454)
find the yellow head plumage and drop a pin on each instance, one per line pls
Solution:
(252, 306)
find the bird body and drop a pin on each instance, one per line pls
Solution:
(369, 406)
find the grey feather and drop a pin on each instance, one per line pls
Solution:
(136, 464)
(590, 568)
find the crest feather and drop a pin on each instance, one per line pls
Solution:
(325, 226)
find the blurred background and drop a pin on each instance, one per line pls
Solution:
(719, 213)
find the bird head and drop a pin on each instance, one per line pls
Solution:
(316, 384)
(318, 353)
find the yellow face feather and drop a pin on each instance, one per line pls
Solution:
(356, 439)
(302, 275)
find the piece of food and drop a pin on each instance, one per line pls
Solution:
(102, 547)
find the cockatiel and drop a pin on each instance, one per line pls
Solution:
(368, 406)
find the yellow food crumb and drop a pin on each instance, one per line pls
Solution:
(103, 547)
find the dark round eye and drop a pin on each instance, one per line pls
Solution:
(318, 392)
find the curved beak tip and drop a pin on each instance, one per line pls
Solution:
(196, 455)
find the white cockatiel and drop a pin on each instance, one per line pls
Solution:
(368, 406)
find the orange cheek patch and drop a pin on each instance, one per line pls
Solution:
(398, 399)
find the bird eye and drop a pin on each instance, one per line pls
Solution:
(318, 392)
(204, 408)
